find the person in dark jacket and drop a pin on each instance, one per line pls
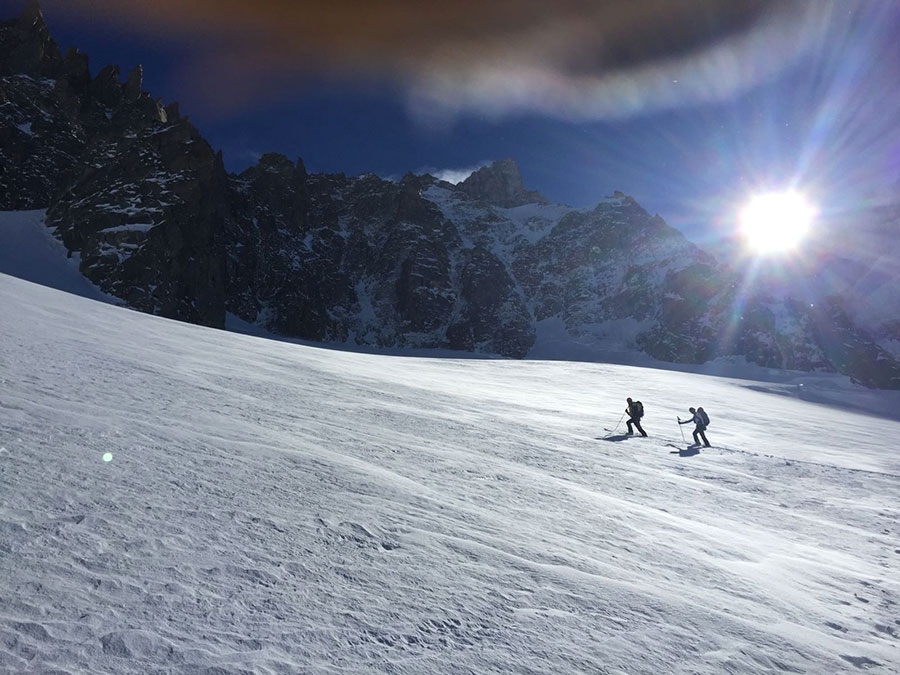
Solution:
(635, 412)
(700, 428)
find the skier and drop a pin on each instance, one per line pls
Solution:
(635, 412)
(701, 420)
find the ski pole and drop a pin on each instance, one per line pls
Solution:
(681, 430)
(619, 422)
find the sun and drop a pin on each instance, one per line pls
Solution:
(776, 222)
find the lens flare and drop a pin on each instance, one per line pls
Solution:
(776, 222)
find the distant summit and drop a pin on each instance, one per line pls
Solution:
(500, 184)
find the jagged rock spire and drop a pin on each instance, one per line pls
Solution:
(26, 46)
(132, 87)
(31, 14)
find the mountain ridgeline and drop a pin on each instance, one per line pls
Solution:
(133, 191)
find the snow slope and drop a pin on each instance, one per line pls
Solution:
(29, 251)
(278, 508)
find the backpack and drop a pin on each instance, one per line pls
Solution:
(703, 416)
(638, 409)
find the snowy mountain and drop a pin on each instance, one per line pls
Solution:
(146, 208)
(185, 500)
(865, 275)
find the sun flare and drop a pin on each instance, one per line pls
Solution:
(776, 222)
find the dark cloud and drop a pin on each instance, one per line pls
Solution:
(578, 58)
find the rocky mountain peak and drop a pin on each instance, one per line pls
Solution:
(500, 184)
(275, 162)
(132, 87)
(105, 86)
(31, 49)
(75, 68)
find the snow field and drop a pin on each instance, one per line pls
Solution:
(277, 508)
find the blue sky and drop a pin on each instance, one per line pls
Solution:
(804, 98)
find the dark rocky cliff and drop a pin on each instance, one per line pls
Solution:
(130, 187)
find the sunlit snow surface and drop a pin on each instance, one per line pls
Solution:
(276, 508)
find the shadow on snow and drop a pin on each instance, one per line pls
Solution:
(689, 451)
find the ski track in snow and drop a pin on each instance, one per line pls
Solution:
(275, 508)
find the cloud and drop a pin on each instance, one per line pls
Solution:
(568, 58)
(454, 176)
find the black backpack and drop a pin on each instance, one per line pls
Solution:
(638, 409)
(703, 416)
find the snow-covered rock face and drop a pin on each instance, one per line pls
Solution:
(134, 192)
(365, 260)
(867, 280)
(423, 263)
(130, 187)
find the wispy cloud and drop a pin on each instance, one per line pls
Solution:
(569, 58)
